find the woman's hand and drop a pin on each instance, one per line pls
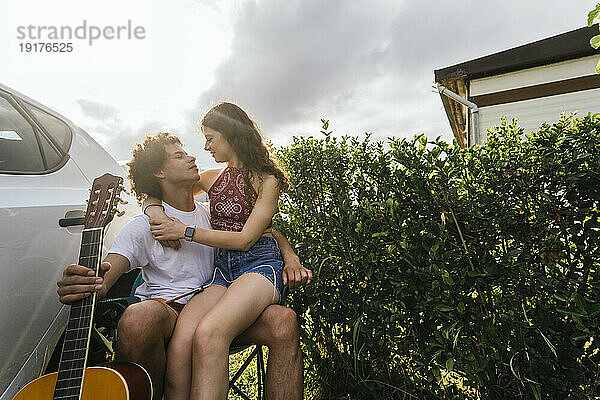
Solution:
(294, 273)
(154, 209)
(167, 229)
(156, 220)
(174, 244)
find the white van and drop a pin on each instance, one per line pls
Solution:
(47, 165)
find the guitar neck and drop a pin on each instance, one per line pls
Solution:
(79, 328)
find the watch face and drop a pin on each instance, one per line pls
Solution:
(189, 231)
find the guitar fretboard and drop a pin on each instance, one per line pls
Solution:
(77, 335)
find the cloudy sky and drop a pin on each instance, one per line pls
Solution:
(367, 66)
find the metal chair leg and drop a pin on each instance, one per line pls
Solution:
(260, 372)
(244, 366)
(239, 392)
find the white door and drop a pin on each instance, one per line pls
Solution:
(39, 185)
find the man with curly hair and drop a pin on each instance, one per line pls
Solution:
(162, 169)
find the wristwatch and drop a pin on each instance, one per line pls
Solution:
(189, 233)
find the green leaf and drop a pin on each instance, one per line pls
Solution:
(595, 41)
(595, 309)
(378, 234)
(456, 338)
(475, 274)
(593, 14)
(558, 297)
(536, 391)
(581, 337)
(355, 343)
(572, 314)
(550, 345)
(422, 142)
(450, 364)
(580, 303)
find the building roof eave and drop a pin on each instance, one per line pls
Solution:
(456, 112)
(565, 46)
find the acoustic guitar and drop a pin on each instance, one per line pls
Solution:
(73, 381)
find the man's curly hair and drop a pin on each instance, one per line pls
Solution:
(146, 159)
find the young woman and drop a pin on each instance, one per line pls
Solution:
(248, 265)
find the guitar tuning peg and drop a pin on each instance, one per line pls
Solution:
(122, 201)
(120, 213)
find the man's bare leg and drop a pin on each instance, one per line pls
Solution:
(142, 336)
(277, 328)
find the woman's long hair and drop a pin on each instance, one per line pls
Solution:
(243, 136)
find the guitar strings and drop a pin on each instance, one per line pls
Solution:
(74, 391)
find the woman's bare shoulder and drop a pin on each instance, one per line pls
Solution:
(211, 172)
(268, 182)
(208, 177)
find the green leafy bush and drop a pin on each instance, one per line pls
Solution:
(444, 272)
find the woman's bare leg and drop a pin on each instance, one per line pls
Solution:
(179, 359)
(239, 307)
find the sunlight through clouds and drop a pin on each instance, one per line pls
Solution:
(367, 66)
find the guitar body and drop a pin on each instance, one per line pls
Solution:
(112, 381)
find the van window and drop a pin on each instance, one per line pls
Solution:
(58, 130)
(53, 157)
(19, 147)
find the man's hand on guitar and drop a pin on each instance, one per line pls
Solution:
(79, 282)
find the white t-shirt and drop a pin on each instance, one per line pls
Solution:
(167, 273)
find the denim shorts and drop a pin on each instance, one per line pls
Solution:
(263, 258)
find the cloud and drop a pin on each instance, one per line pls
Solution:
(105, 125)
(286, 58)
(365, 65)
(97, 110)
(103, 122)
(439, 34)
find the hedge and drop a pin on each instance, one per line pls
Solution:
(444, 272)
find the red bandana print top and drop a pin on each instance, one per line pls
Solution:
(229, 209)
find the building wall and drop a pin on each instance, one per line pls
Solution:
(531, 113)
